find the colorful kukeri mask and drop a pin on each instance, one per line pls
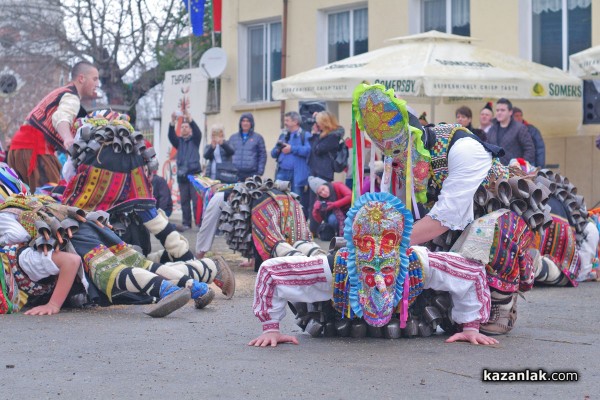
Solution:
(378, 231)
(385, 120)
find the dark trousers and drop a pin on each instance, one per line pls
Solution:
(90, 236)
(187, 198)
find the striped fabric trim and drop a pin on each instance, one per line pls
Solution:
(464, 269)
(290, 274)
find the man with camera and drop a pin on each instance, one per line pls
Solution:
(291, 152)
(188, 163)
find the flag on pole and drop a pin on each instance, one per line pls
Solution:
(217, 12)
(196, 11)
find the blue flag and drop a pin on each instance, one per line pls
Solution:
(196, 10)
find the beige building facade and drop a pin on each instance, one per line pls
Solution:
(269, 39)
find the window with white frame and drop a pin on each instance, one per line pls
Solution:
(559, 28)
(347, 34)
(263, 61)
(449, 16)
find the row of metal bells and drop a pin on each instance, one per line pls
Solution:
(430, 310)
(434, 308)
(358, 328)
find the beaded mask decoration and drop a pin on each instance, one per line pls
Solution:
(385, 119)
(377, 230)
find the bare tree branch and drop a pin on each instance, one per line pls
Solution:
(132, 42)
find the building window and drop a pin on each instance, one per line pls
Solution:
(263, 60)
(213, 101)
(560, 28)
(8, 84)
(449, 16)
(347, 34)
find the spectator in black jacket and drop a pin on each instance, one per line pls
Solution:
(536, 136)
(326, 134)
(188, 163)
(162, 193)
(511, 135)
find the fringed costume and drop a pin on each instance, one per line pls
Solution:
(265, 216)
(110, 158)
(560, 263)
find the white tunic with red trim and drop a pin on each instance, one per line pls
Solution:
(309, 279)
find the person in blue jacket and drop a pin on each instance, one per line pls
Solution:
(291, 152)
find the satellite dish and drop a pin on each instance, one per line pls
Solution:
(213, 62)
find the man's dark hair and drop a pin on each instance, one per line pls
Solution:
(517, 110)
(505, 101)
(80, 68)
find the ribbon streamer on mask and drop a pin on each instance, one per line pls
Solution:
(357, 159)
(415, 206)
(409, 181)
(404, 306)
(372, 169)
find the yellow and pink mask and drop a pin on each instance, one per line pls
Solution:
(385, 120)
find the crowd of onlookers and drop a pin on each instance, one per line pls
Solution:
(507, 129)
(304, 158)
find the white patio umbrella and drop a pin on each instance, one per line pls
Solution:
(433, 65)
(586, 63)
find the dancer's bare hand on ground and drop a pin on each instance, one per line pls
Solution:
(46, 309)
(474, 337)
(247, 264)
(272, 339)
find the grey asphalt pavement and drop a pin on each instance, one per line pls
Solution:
(120, 353)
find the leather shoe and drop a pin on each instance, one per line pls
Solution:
(224, 279)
